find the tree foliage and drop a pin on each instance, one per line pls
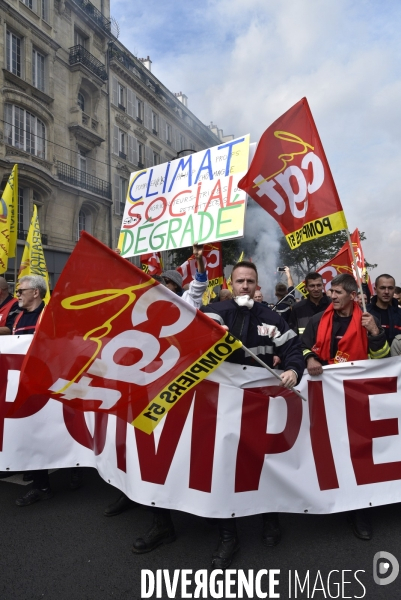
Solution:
(315, 253)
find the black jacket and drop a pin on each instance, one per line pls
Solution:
(394, 317)
(303, 311)
(251, 327)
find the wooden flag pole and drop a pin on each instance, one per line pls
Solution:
(356, 271)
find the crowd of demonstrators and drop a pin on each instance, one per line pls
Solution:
(321, 329)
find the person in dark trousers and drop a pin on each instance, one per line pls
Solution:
(385, 307)
(172, 279)
(315, 303)
(267, 333)
(340, 334)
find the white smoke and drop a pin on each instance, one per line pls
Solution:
(261, 244)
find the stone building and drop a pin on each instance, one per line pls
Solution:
(79, 113)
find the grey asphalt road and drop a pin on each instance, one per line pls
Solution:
(65, 549)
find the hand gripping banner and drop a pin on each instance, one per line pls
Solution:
(290, 178)
(114, 340)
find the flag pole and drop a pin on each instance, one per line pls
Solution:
(274, 373)
(356, 270)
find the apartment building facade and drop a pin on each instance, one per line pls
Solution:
(79, 114)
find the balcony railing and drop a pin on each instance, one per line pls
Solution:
(81, 179)
(79, 55)
(95, 14)
(22, 235)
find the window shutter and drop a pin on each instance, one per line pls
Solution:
(162, 129)
(148, 157)
(116, 194)
(132, 150)
(115, 140)
(130, 103)
(115, 91)
(148, 116)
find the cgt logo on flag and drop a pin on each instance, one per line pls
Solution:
(290, 178)
(132, 351)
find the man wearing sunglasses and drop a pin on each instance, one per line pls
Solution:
(30, 293)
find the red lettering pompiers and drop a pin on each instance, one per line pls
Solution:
(155, 461)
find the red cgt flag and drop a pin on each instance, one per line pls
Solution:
(360, 260)
(340, 263)
(152, 263)
(114, 340)
(290, 178)
(214, 265)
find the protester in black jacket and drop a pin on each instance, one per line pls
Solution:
(385, 308)
(315, 303)
(266, 334)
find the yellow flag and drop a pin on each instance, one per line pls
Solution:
(33, 259)
(8, 220)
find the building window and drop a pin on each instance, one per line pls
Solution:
(81, 101)
(156, 158)
(14, 44)
(169, 134)
(80, 39)
(38, 70)
(141, 155)
(155, 123)
(182, 142)
(82, 162)
(122, 144)
(139, 110)
(45, 10)
(24, 130)
(84, 221)
(121, 96)
(192, 145)
(28, 3)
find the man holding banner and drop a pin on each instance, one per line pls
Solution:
(266, 334)
(343, 333)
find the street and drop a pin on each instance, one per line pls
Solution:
(64, 548)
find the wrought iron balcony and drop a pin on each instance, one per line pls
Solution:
(95, 14)
(79, 55)
(81, 179)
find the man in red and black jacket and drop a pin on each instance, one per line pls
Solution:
(8, 308)
(340, 334)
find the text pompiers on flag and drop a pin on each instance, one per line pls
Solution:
(199, 370)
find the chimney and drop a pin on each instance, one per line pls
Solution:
(182, 98)
(147, 63)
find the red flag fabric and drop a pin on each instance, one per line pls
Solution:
(291, 179)
(340, 263)
(360, 260)
(152, 263)
(214, 264)
(114, 340)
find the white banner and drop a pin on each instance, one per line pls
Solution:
(190, 200)
(239, 444)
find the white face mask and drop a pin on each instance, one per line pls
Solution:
(244, 301)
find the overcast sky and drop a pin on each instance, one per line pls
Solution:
(242, 63)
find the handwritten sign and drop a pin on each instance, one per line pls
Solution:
(193, 199)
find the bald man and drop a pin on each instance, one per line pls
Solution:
(8, 308)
